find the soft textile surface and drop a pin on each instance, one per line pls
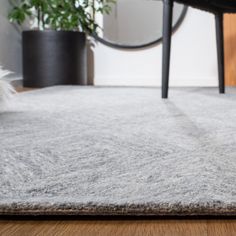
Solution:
(96, 151)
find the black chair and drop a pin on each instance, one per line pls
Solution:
(218, 8)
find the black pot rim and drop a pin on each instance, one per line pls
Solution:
(53, 31)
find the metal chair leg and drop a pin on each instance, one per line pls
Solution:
(220, 50)
(167, 30)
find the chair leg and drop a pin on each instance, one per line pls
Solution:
(167, 30)
(220, 50)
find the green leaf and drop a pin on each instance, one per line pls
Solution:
(76, 15)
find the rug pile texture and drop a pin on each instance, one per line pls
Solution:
(71, 150)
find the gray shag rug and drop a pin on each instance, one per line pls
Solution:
(70, 150)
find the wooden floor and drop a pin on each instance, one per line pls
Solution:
(230, 49)
(118, 227)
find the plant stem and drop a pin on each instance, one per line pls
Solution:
(43, 22)
(94, 16)
(38, 16)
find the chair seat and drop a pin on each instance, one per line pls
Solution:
(224, 6)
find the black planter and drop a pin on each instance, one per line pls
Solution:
(54, 58)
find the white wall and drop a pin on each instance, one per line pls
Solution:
(193, 61)
(10, 41)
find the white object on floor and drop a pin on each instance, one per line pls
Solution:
(6, 89)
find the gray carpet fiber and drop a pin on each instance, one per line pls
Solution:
(118, 151)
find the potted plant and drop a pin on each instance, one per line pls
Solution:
(54, 50)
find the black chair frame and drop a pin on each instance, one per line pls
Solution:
(167, 29)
